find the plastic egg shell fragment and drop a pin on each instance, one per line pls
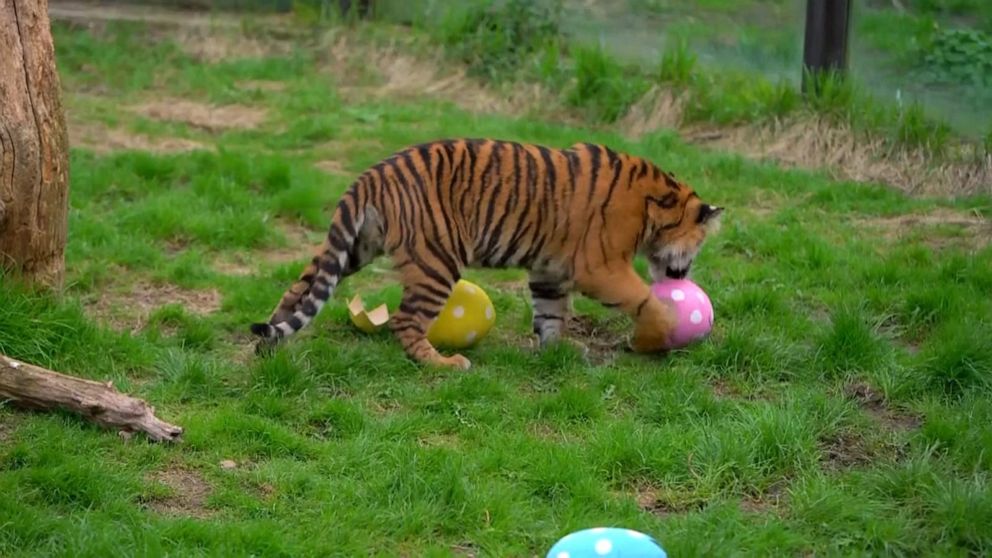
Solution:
(368, 321)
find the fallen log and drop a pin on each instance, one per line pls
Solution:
(33, 387)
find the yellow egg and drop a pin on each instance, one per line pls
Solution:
(467, 317)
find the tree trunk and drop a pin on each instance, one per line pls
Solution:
(34, 160)
(36, 388)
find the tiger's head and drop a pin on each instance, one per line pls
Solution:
(676, 223)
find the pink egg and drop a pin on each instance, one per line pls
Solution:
(694, 309)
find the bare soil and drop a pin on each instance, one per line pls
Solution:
(874, 403)
(189, 493)
(662, 502)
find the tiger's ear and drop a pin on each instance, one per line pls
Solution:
(708, 213)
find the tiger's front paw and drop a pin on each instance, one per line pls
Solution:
(454, 361)
(649, 342)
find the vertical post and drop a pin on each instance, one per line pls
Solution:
(363, 9)
(34, 154)
(825, 43)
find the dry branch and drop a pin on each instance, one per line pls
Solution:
(33, 387)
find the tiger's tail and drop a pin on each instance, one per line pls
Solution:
(315, 285)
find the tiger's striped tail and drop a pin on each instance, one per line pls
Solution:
(305, 298)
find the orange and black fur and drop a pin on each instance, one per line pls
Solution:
(575, 218)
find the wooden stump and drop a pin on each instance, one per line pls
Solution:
(34, 161)
(36, 388)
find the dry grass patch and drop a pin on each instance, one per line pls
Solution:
(389, 71)
(211, 118)
(102, 139)
(332, 166)
(214, 45)
(206, 36)
(938, 228)
(128, 309)
(815, 143)
(659, 108)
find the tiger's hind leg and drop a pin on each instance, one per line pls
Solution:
(552, 305)
(424, 295)
(654, 321)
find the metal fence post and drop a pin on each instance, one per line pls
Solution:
(825, 42)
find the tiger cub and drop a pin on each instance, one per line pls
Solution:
(575, 218)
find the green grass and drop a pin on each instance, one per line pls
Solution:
(345, 447)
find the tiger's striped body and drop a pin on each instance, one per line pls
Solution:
(575, 218)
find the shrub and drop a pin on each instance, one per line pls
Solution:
(602, 85)
(962, 56)
(495, 37)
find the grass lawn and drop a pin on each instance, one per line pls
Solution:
(843, 405)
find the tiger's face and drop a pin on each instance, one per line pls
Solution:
(678, 222)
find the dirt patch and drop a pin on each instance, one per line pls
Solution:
(874, 403)
(7, 427)
(765, 501)
(970, 229)
(466, 549)
(331, 166)
(189, 493)
(723, 389)
(603, 343)
(261, 85)
(101, 139)
(129, 310)
(212, 118)
(845, 450)
(663, 502)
